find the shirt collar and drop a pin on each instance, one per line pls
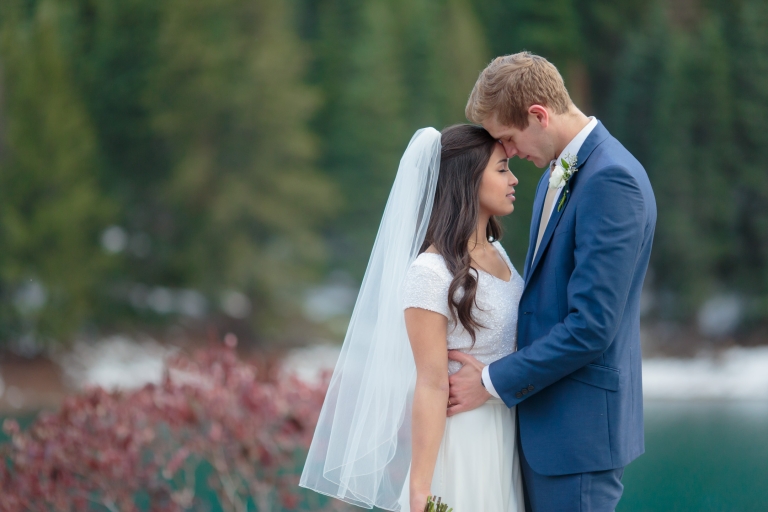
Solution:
(574, 146)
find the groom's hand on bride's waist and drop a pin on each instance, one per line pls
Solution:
(466, 388)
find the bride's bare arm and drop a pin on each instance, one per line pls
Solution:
(427, 332)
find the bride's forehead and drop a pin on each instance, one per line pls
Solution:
(499, 153)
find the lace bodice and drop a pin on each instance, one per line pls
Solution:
(426, 287)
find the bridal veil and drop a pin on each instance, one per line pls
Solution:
(361, 449)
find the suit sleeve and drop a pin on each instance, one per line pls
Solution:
(609, 231)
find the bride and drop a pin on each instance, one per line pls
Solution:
(437, 280)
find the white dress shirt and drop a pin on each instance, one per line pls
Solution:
(572, 148)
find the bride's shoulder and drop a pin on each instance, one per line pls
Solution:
(426, 283)
(430, 261)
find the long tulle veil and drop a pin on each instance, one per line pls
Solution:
(361, 449)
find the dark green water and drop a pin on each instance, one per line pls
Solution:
(700, 457)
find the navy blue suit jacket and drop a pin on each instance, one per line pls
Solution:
(576, 376)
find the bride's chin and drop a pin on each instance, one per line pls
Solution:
(499, 210)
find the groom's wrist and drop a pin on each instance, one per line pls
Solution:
(488, 383)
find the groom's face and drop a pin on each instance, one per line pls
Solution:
(531, 143)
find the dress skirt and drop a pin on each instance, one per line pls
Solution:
(477, 467)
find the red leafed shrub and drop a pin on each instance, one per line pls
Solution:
(144, 449)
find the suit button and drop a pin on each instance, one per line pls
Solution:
(518, 395)
(524, 391)
(530, 387)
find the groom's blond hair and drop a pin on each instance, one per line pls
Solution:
(509, 85)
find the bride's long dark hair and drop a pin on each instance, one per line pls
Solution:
(466, 150)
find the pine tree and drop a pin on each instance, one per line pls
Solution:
(673, 108)
(51, 210)
(603, 26)
(386, 69)
(455, 51)
(750, 63)
(366, 130)
(244, 199)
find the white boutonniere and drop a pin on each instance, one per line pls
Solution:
(561, 175)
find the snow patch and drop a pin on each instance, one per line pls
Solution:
(117, 362)
(120, 362)
(309, 363)
(736, 374)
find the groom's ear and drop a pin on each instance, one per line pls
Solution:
(538, 114)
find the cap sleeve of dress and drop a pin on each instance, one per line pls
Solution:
(426, 284)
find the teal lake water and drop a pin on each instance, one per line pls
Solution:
(700, 457)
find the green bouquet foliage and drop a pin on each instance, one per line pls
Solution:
(436, 506)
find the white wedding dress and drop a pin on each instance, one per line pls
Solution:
(477, 467)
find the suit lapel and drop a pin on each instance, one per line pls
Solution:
(538, 205)
(598, 135)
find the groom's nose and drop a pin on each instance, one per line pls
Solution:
(509, 149)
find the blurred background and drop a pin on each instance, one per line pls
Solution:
(173, 171)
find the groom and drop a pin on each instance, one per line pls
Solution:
(576, 375)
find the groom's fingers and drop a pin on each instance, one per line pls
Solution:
(456, 355)
(455, 409)
(465, 359)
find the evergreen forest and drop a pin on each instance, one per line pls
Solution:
(200, 162)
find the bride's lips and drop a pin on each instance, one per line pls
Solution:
(511, 195)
